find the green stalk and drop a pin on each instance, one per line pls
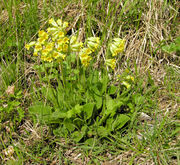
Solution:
(104, 100)
(77, 58)
(61, 69)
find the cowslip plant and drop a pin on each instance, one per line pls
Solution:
(83, 102)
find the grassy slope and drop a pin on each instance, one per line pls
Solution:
(146, 25)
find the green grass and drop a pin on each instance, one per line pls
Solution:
(156, 89)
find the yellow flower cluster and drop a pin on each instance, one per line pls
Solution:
(111, 63)
(92, 45)
(54, 44)
(116, 47)
(85, 56)
(51, 44)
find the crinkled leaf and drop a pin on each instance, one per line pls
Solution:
(97, 96)
(88, 110)
(41, 111)
(102, 131)
(59, 115)
(112, 105)
(120, 121)
(50, 93)
(112, 90)
(69, 125)
(90, 141)
(78, 135)
(75, 111)
(78, 122)
(109, 122)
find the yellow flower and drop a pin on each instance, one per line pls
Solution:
(38, 47)
(130, 78)
(73, 40)
(45, 52)
(41, 40)
(93, 43)
(50, 46)
(59, 48)
(51, 30)
(49, 59)
(84, 55)
(86, 60)
(65, 25)
(93, 46)
(28, 46)
(65, 48)
(60, 41)
(65, 40)
(117, 46)
(61, 34)
(84, 52)
(58, 55)
(55, 55)
(94, 39)
(111, 63)
(43, 57)
(76, 47)
(59, 22)
(35, 53)
(127, 85)
(41, 33)
(53, 22)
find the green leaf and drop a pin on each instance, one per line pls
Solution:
(97, 96)
(15, 103)
(60, 131)
(21, 114)
(88, 110)
(109, 104)
(41, 111)
(109, 122)
(104, 84)
(59, 115)
(75, 111)
(177, 41)
(120, 121)
(112, 90)
(131, 107)
(138, 99)
(102, 131)
(112, 105)
(78, 109)
(50, 93)
(76, 71)
(78, 135)
(1, 108)
(78, 122)
(90, 141)
(69, 125)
